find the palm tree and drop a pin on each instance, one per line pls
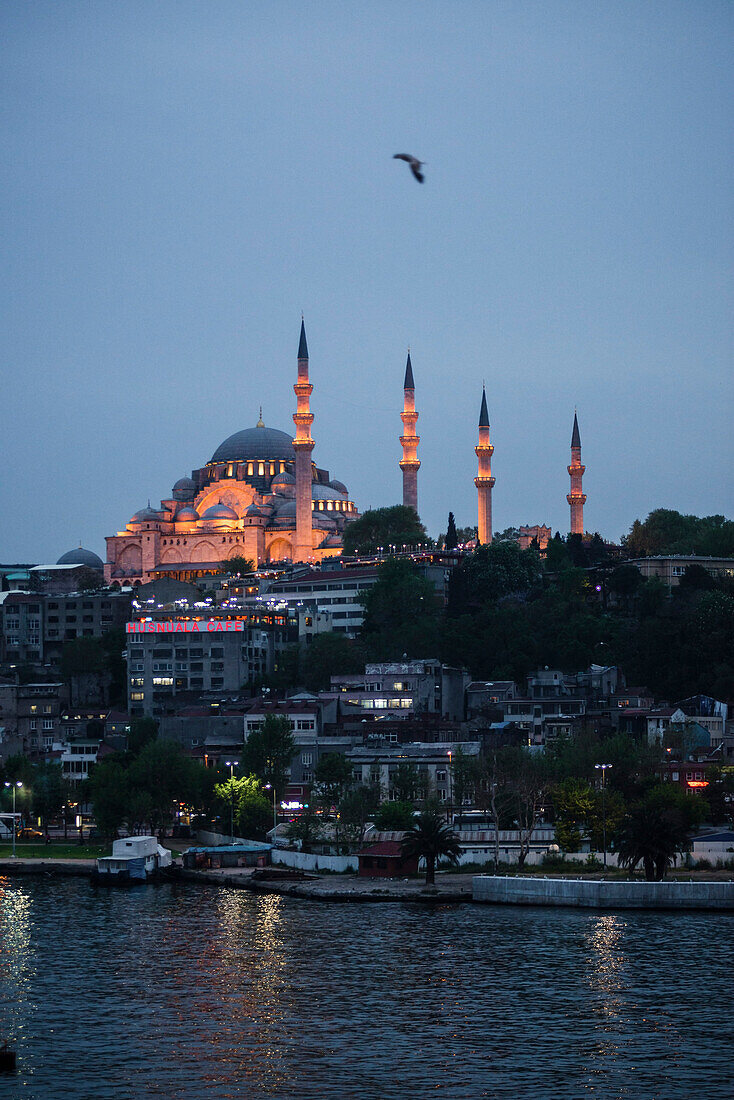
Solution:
(430, 838)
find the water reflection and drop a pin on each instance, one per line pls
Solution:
(16, 961)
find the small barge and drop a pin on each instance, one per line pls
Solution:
(134, 859)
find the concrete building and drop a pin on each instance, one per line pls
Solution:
(201, 650)
(378, 764)
(30, 717)
(338, 593)
(671, 568)
(408, 687)
(35, 625)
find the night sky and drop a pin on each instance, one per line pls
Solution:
(182, 180)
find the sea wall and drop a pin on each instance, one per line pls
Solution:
(602, 894)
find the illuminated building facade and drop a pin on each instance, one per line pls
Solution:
(260, 496)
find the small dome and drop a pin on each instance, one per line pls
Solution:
(288, 508)
(253, 510)
(80, 556)
(283, 479)
(184, 489)
(187, 514)
(145, 515)
(340, 488)
(331, 542)
(220, 511)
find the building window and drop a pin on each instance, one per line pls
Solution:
(307, 758)
(48, 723)
(136, 696)
(33, 724)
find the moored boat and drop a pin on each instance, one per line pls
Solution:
(134, 859)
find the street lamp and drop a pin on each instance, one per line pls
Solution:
(603, 769)
(15, 787)
(271, 787)
(231, 765)
(448, 817)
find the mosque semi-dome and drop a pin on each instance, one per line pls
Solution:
(80, 556)
(258, 442)
(220, 511)
(187, 514)
(145, 515)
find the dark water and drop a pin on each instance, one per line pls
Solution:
(195, 992)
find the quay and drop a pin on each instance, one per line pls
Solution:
(602, 893)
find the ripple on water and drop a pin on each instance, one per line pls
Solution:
(187, 992)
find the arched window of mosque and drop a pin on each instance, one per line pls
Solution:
(272, 467)
(282, 467)
(250, 469)
(321, 506)
(260, 469)
(230, 470)
(329, 505)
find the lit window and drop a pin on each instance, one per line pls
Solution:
(261, 469)
(136, 696)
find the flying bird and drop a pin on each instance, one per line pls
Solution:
(415, 164)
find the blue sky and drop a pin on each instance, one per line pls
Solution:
(182, 180)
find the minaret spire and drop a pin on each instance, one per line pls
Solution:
(303, 444)
(409, 463)
(484, 480)
(576, 498)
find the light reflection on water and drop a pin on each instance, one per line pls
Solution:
(195, 992)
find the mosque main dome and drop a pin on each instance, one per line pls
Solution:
(255, 443)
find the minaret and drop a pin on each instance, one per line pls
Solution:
(484, 480)
(576, 498)
(303, 444)
(409, 463)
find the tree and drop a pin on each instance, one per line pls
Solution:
(237, 566)
(108, 789)
(357, 807)
(333, 775)
(400, 610)
(656, 829)
(268, 751)
(408, 784)
(431, 839)
(528, 781)
(307, 827)
(328, 655)
(384, 528)
(89, 580)
(666, 531)
(394, 816)
(142, 731)
(167, 775)
(491, 573)
(243, 799)
(49, 790)
(464, 773)
(452, 538)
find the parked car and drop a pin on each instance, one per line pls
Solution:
(29, 834)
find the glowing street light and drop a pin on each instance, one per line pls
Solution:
(271, 787)
(603, 769)
(15, 787)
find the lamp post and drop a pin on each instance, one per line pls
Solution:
(231, 765)
(448, 816)
(271, 787)
(603, 769)
(15, 787)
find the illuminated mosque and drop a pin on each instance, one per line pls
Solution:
(261, 497)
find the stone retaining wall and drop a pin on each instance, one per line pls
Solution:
(601, 894)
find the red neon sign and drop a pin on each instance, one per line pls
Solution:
(185, 626)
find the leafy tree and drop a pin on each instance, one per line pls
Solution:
(491, 573)
(89, 580)
(401, 615)
(237, 566)
(656, 829)
(452, 538)
(307, 827)
(668, 532)
(408, 784)
(464, 774)
(394, 816)
(333, 775)
(358, 807)
(431, 839)
(250, 809)
(330, 654)
(49, 790)
(268, 752)
(382, 528)
(528, 782)
(166, 774)
(142, 731)
(108, 789)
